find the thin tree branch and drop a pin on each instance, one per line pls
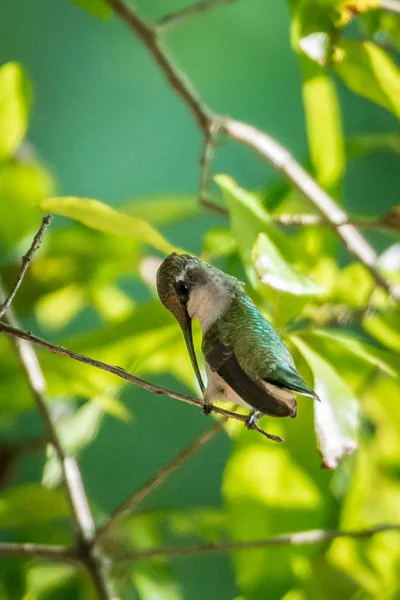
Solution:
(308, 220)
(305, 220)
(132, 503)
(53, 553)
(391, 6)
(72, 477)
(210, 142)
(119, 372)
(254, 139)
(37, 240)
(186, 14)
(301, 538)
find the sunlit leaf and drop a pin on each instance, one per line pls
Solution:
(370, 72)
(372, 355)
(385, 327)
(156, 580)
(337, 413)
(22, 188)
(273, 270)
(58, 308)
(165, 209)
(321, 106)
(14, 107)
(98, 8)
(24, 505)
(99, 216)
(267, 492)
(45, 580)
(248, 219)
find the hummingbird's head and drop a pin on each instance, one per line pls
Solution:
(175, 280)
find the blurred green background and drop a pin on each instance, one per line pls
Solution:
(107, 126)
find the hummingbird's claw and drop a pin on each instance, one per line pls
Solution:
(252, 419)
(252, 423)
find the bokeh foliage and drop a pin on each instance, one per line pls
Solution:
(91, 288)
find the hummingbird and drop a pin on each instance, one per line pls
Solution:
(246, 361)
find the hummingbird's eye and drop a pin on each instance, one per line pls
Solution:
(183, 290)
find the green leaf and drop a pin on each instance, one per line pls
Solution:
(14, 107)
(370, 354)
(44, 582)
(359, 145)
(22, 188)
(156, 580)
(337, 414)
(273, 270)
(99, 216)
(385, 327)
(248, 220)
(267, 492)
(29, 504)
(98, 8)
(321, 105)
(165, 209)
(370, 72)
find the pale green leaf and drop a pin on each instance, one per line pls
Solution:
(98, 8)
(22, 188)
(273, 270)
(58, 308)
(100, 216)
(370, 354)
(337, 413)
(44, 580)
(321, 105)
(14, 107)
(165, 209)
(29, 504)
(370, 72)
(248, 218)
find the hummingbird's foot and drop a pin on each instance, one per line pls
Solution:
(252, 423)
(207, 408)
(252, 419)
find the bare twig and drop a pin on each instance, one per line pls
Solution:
(210, 141)
(119, 372)
(305, 220)
(186, 14)
(25, 264)
(270, 150)
(308, 220)
(132, 503)
(54, 553)
(301, 538)
(75, 489)
(391, 6)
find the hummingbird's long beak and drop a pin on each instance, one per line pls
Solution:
(188, 335)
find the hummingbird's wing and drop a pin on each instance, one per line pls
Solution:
(287, 378)
(221, 359)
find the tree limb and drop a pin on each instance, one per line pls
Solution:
(254, 139)
(186, 14)
(15, 332)
(132, 503)
(37, 240)
(300, 538)
(54, 553)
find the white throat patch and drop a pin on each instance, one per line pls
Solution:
(208, 302)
